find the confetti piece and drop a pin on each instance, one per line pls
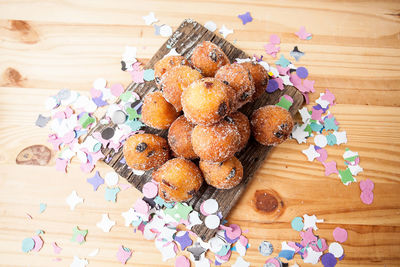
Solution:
(310, 222)
(111, 194)
(141, 206)
(341, 137)
(285, 102)
(123, 254)
(330, 167)
(299, 134)
(56, 248)
(225, 31)
(150, 18)
(366, 185)
(271, 49)
(42, 207)
(328, 96)
(336, 249)
(73, 199)
(240, 262)
(210, 25)
(246, 18)
(129, 216)
(320, 140)
(148, 75)
(78, 235)
(346, 176)
(182, 261)
(340, 234)
(303, 34)
(183, 239)
(323, 154)
(311, 153)
(367, 197)
(272, 86)
(111, 178)
(210, 206)
(165, 30)
(196, 251)
(331, 139)
(42, 121)
(105, 224)
(282, 61)
(77, 262)
(212, 221)
(150, 190)
(330, 124)
(94, 253)
(95, 181)
(302, 72)
(61, 165)
(38, 243)
(266, 248)
(297, 224)
(274, 39)
(296, 53)
(28, 244)
(179, 211)
(328, 260)
(287, 254)
(312, 256)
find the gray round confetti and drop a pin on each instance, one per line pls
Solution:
(63, 94)
(118, 117)
(266, 248)
(107, 133)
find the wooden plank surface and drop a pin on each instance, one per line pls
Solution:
(188, 35)
(354, 53)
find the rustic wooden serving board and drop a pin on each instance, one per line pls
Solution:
(184, 40)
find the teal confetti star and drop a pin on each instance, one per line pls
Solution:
(282, 61)
(111, 194)
(330, 124)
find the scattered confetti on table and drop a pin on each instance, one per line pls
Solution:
(245, 18)
(73, 199)
(105, 224)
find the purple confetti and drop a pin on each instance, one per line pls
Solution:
(184, 241)
(328, 260)
(272, 86)
(302, 72)
(246, 18)
(95, 181)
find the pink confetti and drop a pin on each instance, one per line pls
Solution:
(61, 165)
(68, 137)
(366, 185)
(225, 257)
(367, 197)
(202, 210)
(243, 240)
(234, 231)
(150, 190)
(270, 49)
(324, 246)
(303, 34)
(330, 167)
(328, 96)
(308, 237)
(182, 261)
(323, 154)
(56, 248)
(59, 115)
(309, 85)
(123, 255)
(95, 93)
(38, 243)
(141, 206)
(87, 167)
(80, 238)
(282, 71)
(280, 83)
(340, 234)
(96, 156)
(124, 186)
(316, 114)
(55, 141)
(137, 73)
(295, 80)
(274, 39)
(117, 89)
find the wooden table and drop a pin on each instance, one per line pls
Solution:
(354, 52)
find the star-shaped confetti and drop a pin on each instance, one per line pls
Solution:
(129, 216)
(225, 31)
(150, 18)
(346, 176)
(310, 222)
(77, 262)
(329, 124)
(296, 53)
(73, 199)
(303, 34)
(95, 181)
(196, 250)
(240, 262)
(341, 137)
(282, 61)
(311, 153)
(105, 224)
(299, 134)
(78, 235)
(123, 254)
(312, 256)
(305, 115)
(246, 18)
(183, 239)
(330, 167)
(179, 211)
(111, 193)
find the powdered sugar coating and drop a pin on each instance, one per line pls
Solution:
(179, 179)
(260, 77)
(167, 63)
(217, 142)
(180, 138)
(207, 101)
(175, 80)
(224, 175)
(243, 124)
(239, 78)
(157, 112)
(271, 125)
(207, 58)
(145, 151)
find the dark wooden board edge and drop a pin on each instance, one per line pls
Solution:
(184, 39)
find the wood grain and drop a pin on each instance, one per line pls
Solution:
(354, 53)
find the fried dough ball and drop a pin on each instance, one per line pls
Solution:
(243, 125)
(217, 142)
(207, 101)
(222, 175)
(179, 138)
(175, 81)
(145, 151)
(166, 64)
(271, 125)
(157, 112)
(239, 78)
(207, 57)
(179, 179)
(260, 77)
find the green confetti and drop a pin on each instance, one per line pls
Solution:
(346, 176)
(132, 114)
(179, 211)
(76, 233)
(308, 129)
(126, 96)
(86, 120)
(284, 103)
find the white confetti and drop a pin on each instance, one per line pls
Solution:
(94, 253)
(320, 140)
(225, 31)
(336, 249)
(299, 134)
(73, 199)
(212, 221)
(210, 25)
(77, 262)
(311, 153)
(105, 224)
(150, 18)
(355, 169)
(210, 206)
(312, 256)
(240, 262)
(130, 216)
(305, 115)
(310, 221)
(100, 83)
(341, 137)
(165, 30)
(111, 178)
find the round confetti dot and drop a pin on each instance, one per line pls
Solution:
(212, 221)
(210, 206)
(148, 75)
(367, 197)
(328, 260)
(28, 244)
(234, 231)
(165, 31)
(111, 178)
(182, 261)
(340, 234)
(320, 140)
(117, 89)
(100, 83)
(297, 224)
(107, 133)
(118, 117)
(366, 185)
(272, 86)
(216, 244)
(336, 249)
(150, 190)
(302, 72)
(266, 248)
